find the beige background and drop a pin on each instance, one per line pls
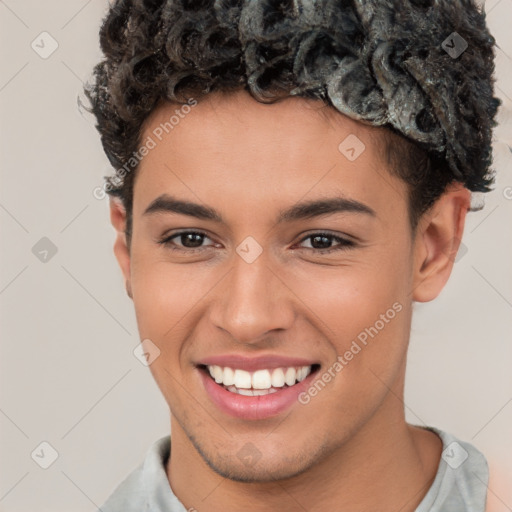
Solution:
(68, 373)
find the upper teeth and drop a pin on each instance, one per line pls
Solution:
(260, 379)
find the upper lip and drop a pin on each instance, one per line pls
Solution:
(255, 363)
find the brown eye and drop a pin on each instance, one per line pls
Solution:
(191, 239)
(322, 242)
(185, 241)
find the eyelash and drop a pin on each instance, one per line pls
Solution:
(345, 244)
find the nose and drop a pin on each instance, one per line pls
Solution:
(252, 301)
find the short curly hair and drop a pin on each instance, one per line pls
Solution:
(423, 69)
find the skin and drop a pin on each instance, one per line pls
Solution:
(249, 161)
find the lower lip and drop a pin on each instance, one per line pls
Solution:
(253, 407)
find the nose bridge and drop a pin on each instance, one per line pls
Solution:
(252, 300)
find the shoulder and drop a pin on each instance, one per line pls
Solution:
(461, 480)
(129, 495)
(134, 493)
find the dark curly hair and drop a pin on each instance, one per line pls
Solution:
(421, 68)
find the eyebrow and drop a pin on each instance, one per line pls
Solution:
(304, 210)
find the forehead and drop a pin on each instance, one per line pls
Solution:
(292, 123)
(231, 145)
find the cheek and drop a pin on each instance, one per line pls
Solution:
(365, 318)
(348, 298)
(166, 299)
(155, 291)
(165, 295)
(362, 309)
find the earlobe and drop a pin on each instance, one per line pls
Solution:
(121, 249)
(437, 242)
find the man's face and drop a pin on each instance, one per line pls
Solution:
(260, 290)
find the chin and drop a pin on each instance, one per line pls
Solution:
(262, 474)
(269, 469)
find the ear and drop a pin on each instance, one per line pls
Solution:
(438, 237)
(121, 248)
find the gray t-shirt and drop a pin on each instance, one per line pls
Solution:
(460, 484)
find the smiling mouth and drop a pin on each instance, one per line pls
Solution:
(260, 382)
